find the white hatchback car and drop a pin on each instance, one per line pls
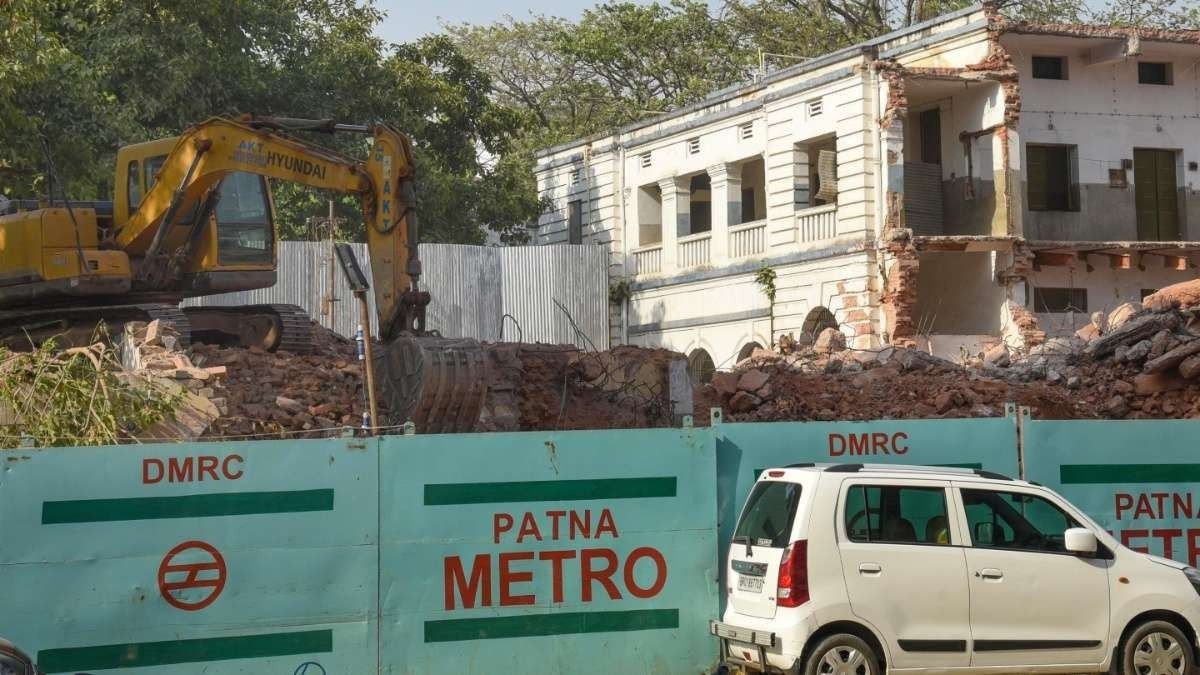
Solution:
(865, 569)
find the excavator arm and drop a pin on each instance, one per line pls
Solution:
(187, 189)
(439, 384)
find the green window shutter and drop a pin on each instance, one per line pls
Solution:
(1037, 178)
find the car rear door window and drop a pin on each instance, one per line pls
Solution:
(1015, 520)
(895, 514)
(770, 510)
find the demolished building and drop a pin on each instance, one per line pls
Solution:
(961, 182)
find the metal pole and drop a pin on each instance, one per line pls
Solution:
(364, 313)
(330, 299)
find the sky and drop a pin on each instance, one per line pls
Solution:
(410, 19)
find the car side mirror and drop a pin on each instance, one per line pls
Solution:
(985, 534)
(1081, 540)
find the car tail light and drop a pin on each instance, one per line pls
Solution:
(793, 576)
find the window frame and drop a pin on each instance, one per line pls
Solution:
(1168, 73)
(1102, 552)
(575, 224)
(134, 185)
(1072, 178)
(1063, 74)
(789, 528)
(1039, 291)
(223, 227)
(843, 533)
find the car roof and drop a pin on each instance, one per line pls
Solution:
(904, 471)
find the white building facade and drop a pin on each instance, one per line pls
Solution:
(942, 186)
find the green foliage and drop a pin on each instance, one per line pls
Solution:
(92, 75)
(765, 278)
(620, 291)
(75, 397)
(619, 63)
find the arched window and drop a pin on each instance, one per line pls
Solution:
(746, 350)
(817, 320)
(700, 367)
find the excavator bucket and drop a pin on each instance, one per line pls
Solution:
(438, 384)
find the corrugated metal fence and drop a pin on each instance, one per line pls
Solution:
(484, 292)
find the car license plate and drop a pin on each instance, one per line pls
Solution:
(750, 584)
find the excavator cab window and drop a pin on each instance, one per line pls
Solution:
(133, 185)
(153, 166)
(244, 227)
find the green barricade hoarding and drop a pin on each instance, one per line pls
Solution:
(216, 557)
(574, 552)
(1140, 480)
(745, 449)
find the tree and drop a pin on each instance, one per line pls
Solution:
(808, 28)
(619, 63)
(92, 75)
(1170, 14)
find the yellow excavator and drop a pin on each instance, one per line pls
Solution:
(193, 216)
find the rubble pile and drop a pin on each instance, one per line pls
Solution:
(1139, 361)
(151, 350)
(891, 383)
(251, 393)
(269, 393)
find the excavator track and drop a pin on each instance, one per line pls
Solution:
(78, 323)
(270, 327)
(296, 329)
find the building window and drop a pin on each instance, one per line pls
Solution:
(746, 131)
(754, 190)
(646, 160)
(575, 176)
(931, 136)
(1152, 72)
(575, 222)
(700, 204)
(650, 224)
(700, 367)
(1051, 178)
(815, 108)
(1060, 300)
(1049, 68)
(693, 146)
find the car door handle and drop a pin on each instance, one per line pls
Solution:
(989, 573)
(870, 568)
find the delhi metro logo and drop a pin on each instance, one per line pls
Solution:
(191, 566)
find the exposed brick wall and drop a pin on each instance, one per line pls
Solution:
(899, 296)
(1027, 325)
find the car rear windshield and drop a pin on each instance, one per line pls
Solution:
(770, 510)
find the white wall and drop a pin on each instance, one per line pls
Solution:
(1107, 288)
(1104, 111)
(841, 284)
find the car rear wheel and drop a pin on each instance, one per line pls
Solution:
(1156, 648)
(842, 654)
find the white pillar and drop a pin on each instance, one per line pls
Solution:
(676, 208)
(726, 207)
(893, 142)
